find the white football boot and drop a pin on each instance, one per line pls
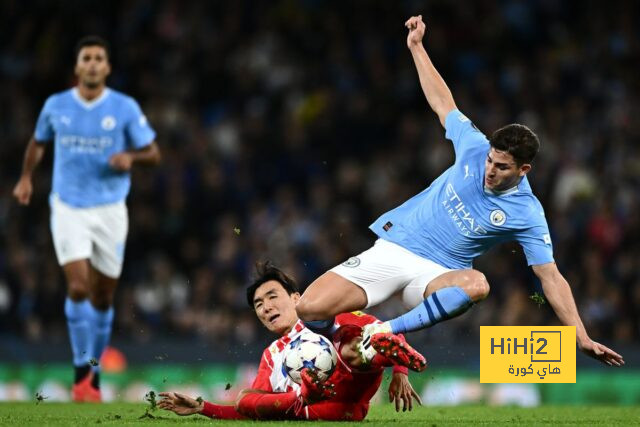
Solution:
(366, 350)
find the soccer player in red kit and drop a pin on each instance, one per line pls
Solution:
(344, 396)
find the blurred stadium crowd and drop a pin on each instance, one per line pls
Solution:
(287, 127)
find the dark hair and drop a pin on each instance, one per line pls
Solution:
(93, 41)
(265, 272)
(517, 140)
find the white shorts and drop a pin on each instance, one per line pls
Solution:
(387, 268)
(97, 233)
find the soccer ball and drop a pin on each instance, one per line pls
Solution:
(309, 350)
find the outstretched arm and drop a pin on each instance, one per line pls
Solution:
(182, 404)
(32, 157)
(435, 89)
(558, 292)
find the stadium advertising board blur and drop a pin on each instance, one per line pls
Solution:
(527, 354)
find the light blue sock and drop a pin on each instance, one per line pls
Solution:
(441, 305)
(79, 321)
(102, 321)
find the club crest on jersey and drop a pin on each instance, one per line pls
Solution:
(498, 217)
(108, 122)
(352, 262)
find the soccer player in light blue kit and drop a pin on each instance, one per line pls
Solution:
(98, 135)
(426, 245)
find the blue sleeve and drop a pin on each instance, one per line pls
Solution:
(44, 128)
(139, 133)
(536, 242)
(463, 133)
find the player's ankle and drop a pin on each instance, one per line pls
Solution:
(380, 361)
(95, 381)
(367, 353)
(81, 373)
(387, 327)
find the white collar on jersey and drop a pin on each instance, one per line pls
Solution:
(297, 327)
(511, 190)
(90, 105)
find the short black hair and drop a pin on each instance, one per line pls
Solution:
(93, 41)
(517, 140)
(266, 271)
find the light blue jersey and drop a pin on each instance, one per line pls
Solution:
(86, 135)
(454, 220)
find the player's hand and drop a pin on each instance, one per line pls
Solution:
(401, 389)
(179, 403)
(23, 190)
(121, 161)
(416, 30)
(601, 352)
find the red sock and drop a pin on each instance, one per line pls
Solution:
(380, 361)
(270, 406)
(221, 412)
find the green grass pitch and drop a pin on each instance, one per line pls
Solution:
(68, 414)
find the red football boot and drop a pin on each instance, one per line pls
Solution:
(398, 351)
(83, 391)
(314, 390)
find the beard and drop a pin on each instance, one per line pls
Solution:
(92, 84)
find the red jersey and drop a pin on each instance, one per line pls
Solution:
(350, 386)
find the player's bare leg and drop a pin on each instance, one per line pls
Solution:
(472, 282)
(329, 295)
(77, 275)
(102, 289)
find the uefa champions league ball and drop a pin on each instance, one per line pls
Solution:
(309, 350)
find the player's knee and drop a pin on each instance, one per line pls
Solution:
(77, 290)
(478, 286)
(102, 300)
(238, 403)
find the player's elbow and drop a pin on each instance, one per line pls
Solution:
(156, 156)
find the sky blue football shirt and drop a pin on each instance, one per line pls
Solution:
(86, 135)
(454, 220)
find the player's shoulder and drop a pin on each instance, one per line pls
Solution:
(527, 204)
(456, 119)
(272, 349)
(122, 98)
(60, 97)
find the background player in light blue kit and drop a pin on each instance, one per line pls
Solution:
(426, 246)
(98, 135)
